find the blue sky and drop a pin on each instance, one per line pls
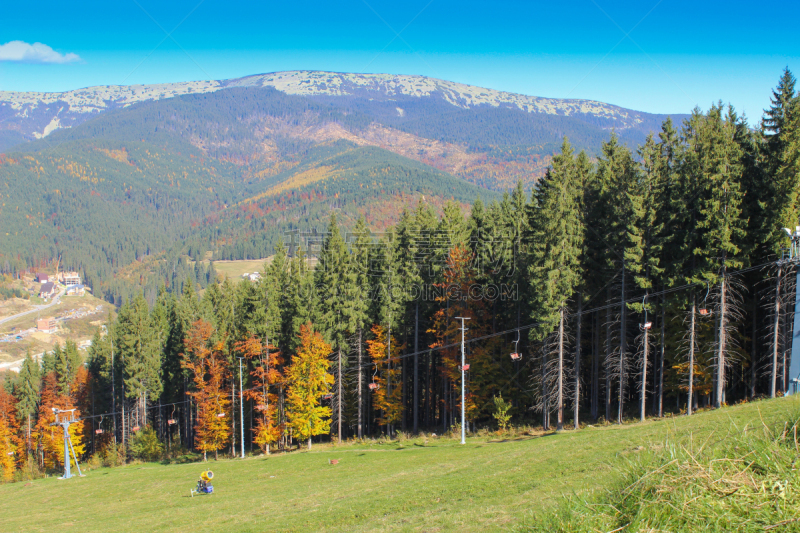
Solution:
(657, 56)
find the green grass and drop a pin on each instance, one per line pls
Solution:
(488, 484)
(236, 269)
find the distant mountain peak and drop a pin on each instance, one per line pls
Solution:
(31, 115)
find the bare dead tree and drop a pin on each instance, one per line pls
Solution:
(727, 298)
(553, 382)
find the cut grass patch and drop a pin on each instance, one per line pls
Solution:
(488, 484)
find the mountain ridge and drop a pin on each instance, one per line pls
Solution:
(27, 116)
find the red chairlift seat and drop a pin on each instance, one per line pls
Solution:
(10, 453)
(373, 386)
(261, 407)
(171, 422)
(98, 431)
(220, 415)
(704, 312)
(135, 428)
(327, 397)
(516, 356)
(466, 368)
(648, 325)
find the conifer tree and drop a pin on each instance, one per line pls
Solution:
(357, 309)
(556, 243)
(616, 177)
(408, 251)
(643, 254)
(333, 290)
(714, 156)
(389, 297)
(26, 390)
(139, 348)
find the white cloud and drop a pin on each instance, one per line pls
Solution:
(33, 53)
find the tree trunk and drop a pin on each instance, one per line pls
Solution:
(360, 388)
(622, 349)
(560, 405)
(415, 402)
(607, 363)
(643, 392)
(691, 358)
(576, 406)
(660, 408)
(720, 385)
(339, 399)
(753, 349)
(309, 443)
(775, 335)
(595, 365)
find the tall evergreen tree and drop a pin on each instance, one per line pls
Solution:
(138, 347)
(26, 391)
(333, 290)
(357, 309)
(557, 239)
(616, 177)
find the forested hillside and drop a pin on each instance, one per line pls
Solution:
(131, 193)
(228, 169)
(644, 283)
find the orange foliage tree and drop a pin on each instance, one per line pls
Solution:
(266, 361)
(390, 404)
(466, 300)
(206, 361)
(308, 379)
(50, 439)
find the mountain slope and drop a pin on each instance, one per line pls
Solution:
(28, 116)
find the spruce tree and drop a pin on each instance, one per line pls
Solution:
(616, 177)
(26, 391)
(643, 253)
(714, 156)
(332, 289)
(139, 349)
(357, 308)
(556, 243)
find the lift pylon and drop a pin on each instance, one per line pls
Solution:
(65, 417)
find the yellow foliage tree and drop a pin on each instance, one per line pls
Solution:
(308, 379)
(390, 404)
(206, 363)
(11, 445)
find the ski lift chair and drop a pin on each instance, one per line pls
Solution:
(374, 386)
(515, 355)
(705, 311)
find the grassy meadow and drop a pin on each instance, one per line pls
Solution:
(421, 484)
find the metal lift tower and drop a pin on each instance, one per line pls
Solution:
(794, 365)
(65, 417)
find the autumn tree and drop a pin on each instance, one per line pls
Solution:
(11, 446)
(308, 379)
(266, 361)
(205, 360)
(388, 401)
(50, 439)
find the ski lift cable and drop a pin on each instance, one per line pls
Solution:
(571, 315)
